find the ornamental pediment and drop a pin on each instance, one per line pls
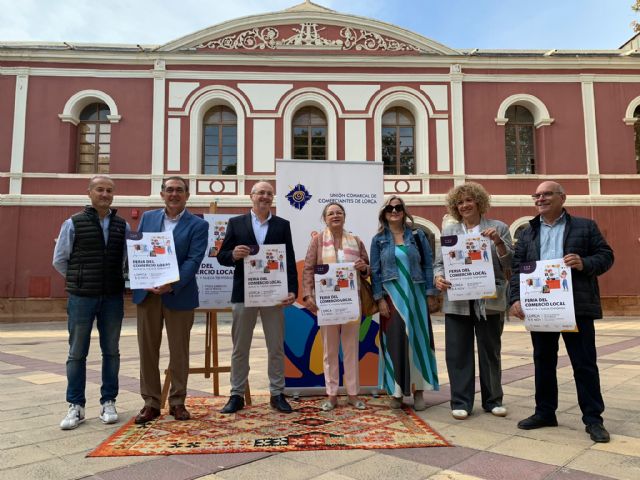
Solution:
(307, 31)
(311, 36)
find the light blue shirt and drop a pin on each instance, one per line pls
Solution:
(169, 224)
(64, 243)
(551, 237)
(260, 228)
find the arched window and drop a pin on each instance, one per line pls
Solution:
(398, 142)
(636, 129)
(519, 140)
(309, 134)
(94, 139)
(220, 141)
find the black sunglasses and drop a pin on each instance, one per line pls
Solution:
(394, 208)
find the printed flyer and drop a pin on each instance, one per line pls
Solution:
(215, 282)
(546, 296)
(265, 276)
(468, 266)
(337, 293)
(152, 259)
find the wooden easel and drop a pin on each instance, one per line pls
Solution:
(212, 366)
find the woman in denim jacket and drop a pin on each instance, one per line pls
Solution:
(483, 319)
(402, 277)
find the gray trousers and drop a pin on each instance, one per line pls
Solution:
(459, 333)
(244, 321)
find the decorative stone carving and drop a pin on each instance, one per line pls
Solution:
(364, 40)
(308, 35)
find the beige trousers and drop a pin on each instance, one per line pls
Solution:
(152, 315)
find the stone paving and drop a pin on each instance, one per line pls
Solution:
(32, 446)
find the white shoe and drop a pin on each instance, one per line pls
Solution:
(499, 411)
(75, 416)
(396, 402)
(108, 413)
(459, 414)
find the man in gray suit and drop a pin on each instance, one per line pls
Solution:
(258, 227)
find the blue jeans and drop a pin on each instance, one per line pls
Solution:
(109, 310)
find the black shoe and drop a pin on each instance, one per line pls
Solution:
(279, 402)
(235, 403)
(146, 415)
(598, 433)
(536, 421)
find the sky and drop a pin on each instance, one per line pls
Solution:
(465, 24)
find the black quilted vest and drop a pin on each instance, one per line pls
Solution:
(96, 269)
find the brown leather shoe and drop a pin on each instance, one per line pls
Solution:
(179, 412)
(146, 415)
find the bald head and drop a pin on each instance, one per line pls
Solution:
(262, 198)
(100, 178)
(550, 186)
(549, 199)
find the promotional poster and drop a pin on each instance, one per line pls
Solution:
(215, 281)
(337, 293)
(468, 266)
(265, 276)
(152, 259)
(546, 296)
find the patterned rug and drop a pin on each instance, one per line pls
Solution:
(258, 428)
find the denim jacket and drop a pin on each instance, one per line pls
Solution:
(383, 261)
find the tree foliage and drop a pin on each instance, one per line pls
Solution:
(636, 8)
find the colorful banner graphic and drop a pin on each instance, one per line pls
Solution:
(215, 281)
(304, 188)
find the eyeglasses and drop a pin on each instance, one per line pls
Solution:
(171, 190)
(537, 196)
(263, 193)
(394, 208)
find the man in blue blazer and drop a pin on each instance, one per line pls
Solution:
(172, 303)
(257, 227)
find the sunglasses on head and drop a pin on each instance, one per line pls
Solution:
(394, 208)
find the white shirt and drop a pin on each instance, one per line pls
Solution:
(260, 228)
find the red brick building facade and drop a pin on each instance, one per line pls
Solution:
(220, 105)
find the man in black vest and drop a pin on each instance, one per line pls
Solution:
(89, 253)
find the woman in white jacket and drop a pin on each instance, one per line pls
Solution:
(468, 203)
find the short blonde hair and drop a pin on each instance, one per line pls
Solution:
(469, 189)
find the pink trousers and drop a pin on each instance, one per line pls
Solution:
(332, 336)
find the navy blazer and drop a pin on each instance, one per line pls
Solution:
(190, 238)
(240, 232)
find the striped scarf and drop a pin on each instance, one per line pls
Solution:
(350, 247)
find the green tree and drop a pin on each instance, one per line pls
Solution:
(636, 8)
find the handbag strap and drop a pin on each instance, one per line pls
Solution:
(418, 241)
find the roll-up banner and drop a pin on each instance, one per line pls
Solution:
(304, 187)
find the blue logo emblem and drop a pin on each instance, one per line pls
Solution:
(298, 196)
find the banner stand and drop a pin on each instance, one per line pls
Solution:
(304, 188)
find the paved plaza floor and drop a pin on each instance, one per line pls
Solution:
(32, 392)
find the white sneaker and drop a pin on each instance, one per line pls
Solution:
(108, 412)
(459, 414)
(499, 411)
(75, 416)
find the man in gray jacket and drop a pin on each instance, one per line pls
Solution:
(578, 241)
